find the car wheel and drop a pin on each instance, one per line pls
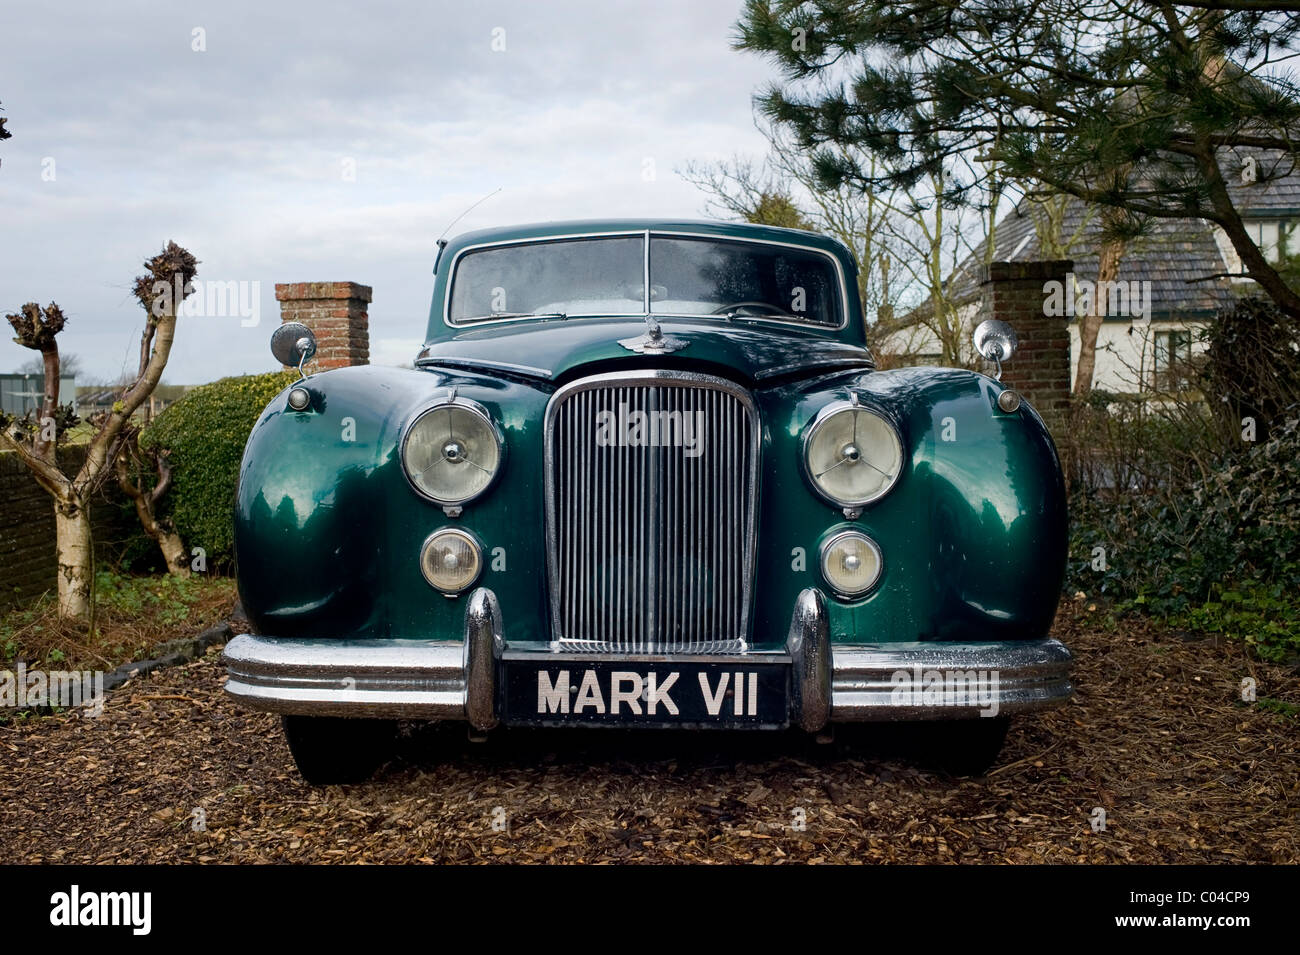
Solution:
(967, 747)
(331, 750)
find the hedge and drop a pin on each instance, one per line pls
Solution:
(205, 432)
(1220, 556)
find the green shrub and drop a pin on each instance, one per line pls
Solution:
(1221, 555)
(205, 433)
(1252, 365)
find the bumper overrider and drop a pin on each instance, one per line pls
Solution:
(484, 680)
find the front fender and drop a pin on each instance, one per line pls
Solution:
(328, 531)
(974, 534)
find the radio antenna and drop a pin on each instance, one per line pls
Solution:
(442, 239)
(467, 212)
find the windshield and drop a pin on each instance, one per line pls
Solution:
(700, 276)
(569, 277)
(689, 276)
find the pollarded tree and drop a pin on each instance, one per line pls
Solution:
(34, 440)
(1133, 105)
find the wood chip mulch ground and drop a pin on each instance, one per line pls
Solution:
(1157, 737)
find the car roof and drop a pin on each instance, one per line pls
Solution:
(708, 227)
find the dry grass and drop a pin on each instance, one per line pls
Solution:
(133, 616)
(1157, 736)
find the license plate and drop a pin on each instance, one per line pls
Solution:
(578, 692)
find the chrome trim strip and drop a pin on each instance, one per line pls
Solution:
(623, 615)
(846, 362)
(865, 680)
(425, 360)
(538, 653)
(646, 291)
(809, 645)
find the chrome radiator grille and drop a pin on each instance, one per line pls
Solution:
(651, 487)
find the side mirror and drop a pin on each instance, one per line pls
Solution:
(293, 344)
(996, 341)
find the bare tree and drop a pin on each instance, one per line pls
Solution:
(906, 242)
(132, 466)
(742, 188)
(69, 366)
(4, 133)
(160, 291)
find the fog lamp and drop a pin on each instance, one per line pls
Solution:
(451, 560)
(851, 563)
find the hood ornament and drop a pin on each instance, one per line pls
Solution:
(653, 342)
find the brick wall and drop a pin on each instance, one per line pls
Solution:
(1040, 369)
(27, 561)
(337, 313)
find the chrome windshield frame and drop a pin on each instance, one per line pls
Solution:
(646, 236)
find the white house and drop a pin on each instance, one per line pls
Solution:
(1170, 282)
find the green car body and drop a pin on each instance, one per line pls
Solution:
(971, 536)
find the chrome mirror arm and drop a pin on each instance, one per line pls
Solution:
(307, 348)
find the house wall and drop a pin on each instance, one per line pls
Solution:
(1126, 351)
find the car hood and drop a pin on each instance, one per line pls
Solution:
(551, 349)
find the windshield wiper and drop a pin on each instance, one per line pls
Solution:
(483, 318)
(751, 311)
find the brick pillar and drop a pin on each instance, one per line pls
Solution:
(1040, 369)
(336, 312)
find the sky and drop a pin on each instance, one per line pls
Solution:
(322, 141)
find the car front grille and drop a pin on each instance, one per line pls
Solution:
(651, 495)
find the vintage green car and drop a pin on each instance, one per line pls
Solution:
(645, 474)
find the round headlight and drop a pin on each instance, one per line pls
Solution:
(451, 560)
(452, 452)
(852, 455)
(851, 563)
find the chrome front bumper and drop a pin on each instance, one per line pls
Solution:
(431, 679)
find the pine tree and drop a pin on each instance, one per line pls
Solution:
(1145, 108)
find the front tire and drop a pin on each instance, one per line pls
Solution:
(330, 750)
(967, 747)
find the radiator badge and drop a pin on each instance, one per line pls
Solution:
(653, 342)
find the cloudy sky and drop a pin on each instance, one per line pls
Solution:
(328, 141)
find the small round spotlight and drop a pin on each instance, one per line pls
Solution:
(851, 563)
(451, 560)
(1009, 401)
(299, 399)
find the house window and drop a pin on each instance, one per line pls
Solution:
(1173, 353)
(1271, 235)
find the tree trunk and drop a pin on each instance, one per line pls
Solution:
(76, 557)
(169, 542)
(162, 532)
(1108, 260)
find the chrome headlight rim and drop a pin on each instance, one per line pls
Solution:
(474, 541)
(467, 404)
(825, 550)
(826, 412)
